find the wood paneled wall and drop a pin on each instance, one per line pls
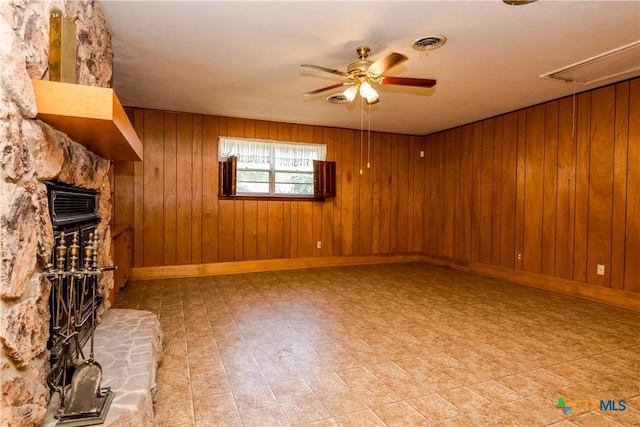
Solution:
(171, 197)
(552, 189)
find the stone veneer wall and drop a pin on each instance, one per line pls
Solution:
(33, 152)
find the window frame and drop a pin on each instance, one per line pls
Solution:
(228, 175)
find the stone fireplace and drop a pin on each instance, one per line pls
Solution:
(32, 153)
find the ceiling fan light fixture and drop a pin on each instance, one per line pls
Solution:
(372, 98)
(363, 73)
(351, 92)
(368, 92)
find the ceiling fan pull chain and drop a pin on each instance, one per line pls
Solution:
(361, 130)
(573, 113)
(369, 140)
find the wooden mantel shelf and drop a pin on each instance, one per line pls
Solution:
(92, 116)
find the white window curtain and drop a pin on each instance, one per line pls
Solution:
(259, 151)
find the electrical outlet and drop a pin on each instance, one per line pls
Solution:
(519, 257)
(421, 153)
(600, 270)
(319, 244)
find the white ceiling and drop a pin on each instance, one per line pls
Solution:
(241, 58)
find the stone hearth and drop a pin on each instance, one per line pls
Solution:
(128, 345)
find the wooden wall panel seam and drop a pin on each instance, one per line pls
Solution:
(621, 151)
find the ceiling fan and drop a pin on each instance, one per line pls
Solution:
(362, 74)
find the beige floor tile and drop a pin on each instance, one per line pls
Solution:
(563, 423)
(463, 421)
(241, 379)
(634, 402)
(329, 422)
(175, 390)
(629, 417)
(522, 385)
(409, 388)
(217, 418)
(579, 391)
(358, 377)
(359, 419)
(280, 373)
(590, 365)
(466, 400)
(227, 419)
(442, 361)
(415, 364)
(174, 414)
(289, 390)
(304, 410)
(205, 364)
(324, 384)
(619, 386)
(205, 383)
(467, 355)
(268, 416)
(254, 398)
(437, 380)
(205, 407)
(500, 416)
(342, 402)
(495, 392)
(400, 414)
(542, 411)
(435, 408)
(589, 419)
(376, 394)
(571, 372)
(546, 378)
(468, 375)
(388, 372)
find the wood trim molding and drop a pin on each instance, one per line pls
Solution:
(238, 267)
(601, 294)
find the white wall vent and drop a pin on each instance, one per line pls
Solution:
(613, 64)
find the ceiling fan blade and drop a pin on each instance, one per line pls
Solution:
(313, 92)
(323, 69)
(408, 81)
(383, 64)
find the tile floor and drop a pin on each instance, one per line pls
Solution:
(395, 345)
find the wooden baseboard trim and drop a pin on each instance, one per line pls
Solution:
(238, 267)
(601, 294)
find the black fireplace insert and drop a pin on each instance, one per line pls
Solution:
(73, 212)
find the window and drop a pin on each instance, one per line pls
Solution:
(255, 167)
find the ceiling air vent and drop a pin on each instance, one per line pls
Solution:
(428, 43)
(518, 2)
(615, 63)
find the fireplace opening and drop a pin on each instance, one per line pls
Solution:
(74, 215)
(74, 302)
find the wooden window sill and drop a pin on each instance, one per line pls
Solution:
(274, 198)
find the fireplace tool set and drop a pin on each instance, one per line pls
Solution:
(74, 301)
